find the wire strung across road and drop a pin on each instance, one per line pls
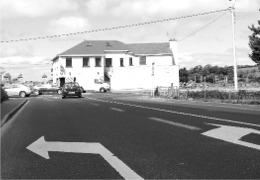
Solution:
(115, 27)
(203, 27)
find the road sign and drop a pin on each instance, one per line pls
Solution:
(42, 148)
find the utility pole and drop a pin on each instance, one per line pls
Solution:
(232, 11)
(152, 92)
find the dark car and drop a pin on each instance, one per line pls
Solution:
(71, 89)
(46, 88)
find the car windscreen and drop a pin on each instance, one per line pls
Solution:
(70, 85)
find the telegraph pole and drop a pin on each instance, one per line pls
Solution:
(232, 11)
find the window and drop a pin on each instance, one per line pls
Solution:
(108, 62)
(130, 61)
(122, 62)
(68, 62)
(98, 62)
(85, 62)
(142, 60)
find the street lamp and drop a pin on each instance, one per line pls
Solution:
(2, 71)
(152, 92)
(232, 11)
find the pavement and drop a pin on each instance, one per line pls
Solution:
(10, 107)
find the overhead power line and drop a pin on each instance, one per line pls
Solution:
(203, 27)
(113, 28)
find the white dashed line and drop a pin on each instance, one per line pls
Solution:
(174, 123)
(116, 109)
(183, 113)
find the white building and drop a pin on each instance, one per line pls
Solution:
(124, 66)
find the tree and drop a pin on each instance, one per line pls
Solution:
(44, 76)
(254, 43)
(184, 75)
(8, 76)
(20, 76)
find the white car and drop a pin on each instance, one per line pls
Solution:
(17, 90)
(97, 86)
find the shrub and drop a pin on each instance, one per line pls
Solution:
(242, 96)
(4, 95)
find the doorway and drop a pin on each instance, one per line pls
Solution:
(62, 82)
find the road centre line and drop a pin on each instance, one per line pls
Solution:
(117, 109)
(174, 123)
(182, 113)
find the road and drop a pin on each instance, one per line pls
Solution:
(111, 136)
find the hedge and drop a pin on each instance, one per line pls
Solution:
(4, 95)
(242, 96)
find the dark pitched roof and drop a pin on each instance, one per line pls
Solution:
(99, 47)
(95, 47)
(150, 48)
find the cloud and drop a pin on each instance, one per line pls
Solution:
(247, 5)
(16, 51)
(30, 72)
(32, 68)
(189, 60)
(68, 24)
(22, 60)
(147, 8)
(35, 8)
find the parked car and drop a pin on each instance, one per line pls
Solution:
(97, 86)
(46, 88)
(71, 89)
(17, 90)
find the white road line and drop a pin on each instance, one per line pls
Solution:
(42, 148)
(95, 104)
(117, 109)
(121, 167)
(187, 114)
(174, 123)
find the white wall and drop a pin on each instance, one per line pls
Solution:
(82, 74)
(127, 77)
(141, 77)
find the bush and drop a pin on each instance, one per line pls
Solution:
(242, 96)
(4, 95)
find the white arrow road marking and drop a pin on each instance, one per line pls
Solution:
(174, 123)
(42, 147)
(232, 134)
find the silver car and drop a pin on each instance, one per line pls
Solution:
(17, 90)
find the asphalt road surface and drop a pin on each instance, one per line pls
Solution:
(110, 136)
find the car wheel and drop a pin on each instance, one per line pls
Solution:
(102, 90)
(22, 94)
(80, 95)
(63, 97)
(59, 91)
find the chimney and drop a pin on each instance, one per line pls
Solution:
(174, 48)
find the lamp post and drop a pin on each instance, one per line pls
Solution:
(152, 92)
(232, 11)
(2, 71)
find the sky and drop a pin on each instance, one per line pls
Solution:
(202, 40)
